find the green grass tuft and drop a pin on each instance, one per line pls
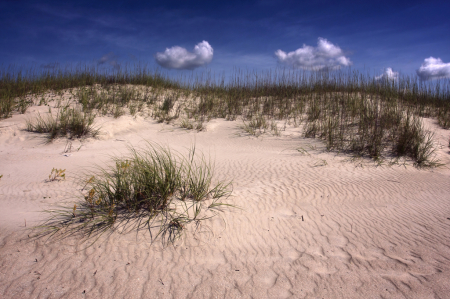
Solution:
(152, 189)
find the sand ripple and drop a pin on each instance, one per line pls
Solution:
(307, 228)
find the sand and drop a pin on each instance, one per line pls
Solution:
(312, 224)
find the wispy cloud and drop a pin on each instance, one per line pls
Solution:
(388, 74)
(52, 65)
(109, 58)
(433, 68)
(179, 58)
(60, 12)
(324, 56)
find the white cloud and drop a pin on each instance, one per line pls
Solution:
(179, 58)
(324, 56)
(388, 74)
(433, 68)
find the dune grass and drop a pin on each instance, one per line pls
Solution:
(153, 189)
(350, 111)
(69, 122)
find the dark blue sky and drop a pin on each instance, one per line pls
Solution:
(245, 34)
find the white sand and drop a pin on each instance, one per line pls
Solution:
(311, 226)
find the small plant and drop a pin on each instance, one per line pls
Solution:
(7, 105)
(68, 147)
(1, 176)
(414, 141)
(256, 126)
(274, 128)
(23, 105)
(167, 104)
(118, 111)
(424, 153)
(186, 124)
(302, 151)
(57, 174)
(133, 107)
(321, 162)
(199, 126)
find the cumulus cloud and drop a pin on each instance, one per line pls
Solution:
(179, 58)
(388, 74)
(324, 56)
(433, 68)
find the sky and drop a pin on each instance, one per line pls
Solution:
(383, 38)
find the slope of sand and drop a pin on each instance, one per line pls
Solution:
(312, 224)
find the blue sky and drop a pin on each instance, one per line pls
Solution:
(364, 35)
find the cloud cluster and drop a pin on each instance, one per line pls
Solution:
(179, 58)
(433, 68)
(324, 56)
(388, 74)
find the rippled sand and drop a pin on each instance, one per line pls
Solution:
(312, 224)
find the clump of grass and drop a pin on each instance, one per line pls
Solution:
(57, 174)
(118, 111)
(167, 104)
(275, 129)
(199, 126)
(444, 118)
(70, 122)
(412, 140)
(186, 124)
(166, 112)
(368, 125)
(321, 162)
(7, 105)
(256, 126)
(424, 154)
(152, 189)
(191, 125)
(409, 136)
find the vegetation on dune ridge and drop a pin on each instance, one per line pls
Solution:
(350, 111)
(152, 189)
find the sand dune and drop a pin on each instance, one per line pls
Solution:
(312, 224)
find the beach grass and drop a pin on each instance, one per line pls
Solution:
(152, 189)
(69, 122)
(351, 112)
